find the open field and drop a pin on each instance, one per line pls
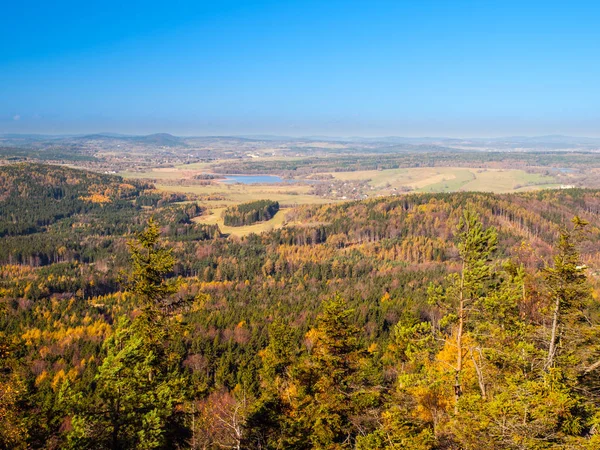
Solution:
(422, 179)
(162, 174)
(448, 179)
(231, 194)
(214, 217)
(499, 180)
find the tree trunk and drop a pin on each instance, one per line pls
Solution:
(459, 334)
(479, 370)
(552, 346)
(459, 357)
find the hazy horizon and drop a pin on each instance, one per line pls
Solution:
(302, 136)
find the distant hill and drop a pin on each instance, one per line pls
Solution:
(50, 153)
(157, 139)
(387, 144)
(162, 139)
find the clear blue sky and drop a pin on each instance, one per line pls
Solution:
(410, 68)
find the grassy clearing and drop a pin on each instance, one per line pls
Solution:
(214, 217)
(239, 193)
(183, 171)
(203, 166)
(538, 187)
(158, 174)
(507, 181)
(415, 178)
(450, 179)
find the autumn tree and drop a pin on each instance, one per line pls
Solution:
(221, 421)
(13, 432)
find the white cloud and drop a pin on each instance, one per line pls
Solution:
(16, 117)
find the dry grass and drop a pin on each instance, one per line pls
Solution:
(215, 217)
(449, 179)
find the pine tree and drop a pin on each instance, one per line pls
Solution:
(266, 421)
(133, 398)
(137, 388)
(150, 264)
(467, 288)
(569, 290)
(332, 387)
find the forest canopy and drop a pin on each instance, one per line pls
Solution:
(422, 321)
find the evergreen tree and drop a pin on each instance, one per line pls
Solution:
(150, 264)
(266, 421)
(466, 289)
(570, 292)
(133, 398)
(139, 384)
(333, 388)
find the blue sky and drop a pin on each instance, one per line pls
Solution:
(371, 68)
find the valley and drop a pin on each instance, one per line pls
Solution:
(68, 289)
(299, 225)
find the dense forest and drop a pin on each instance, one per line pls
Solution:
(52, 153)
(249, 213)
(424, 321)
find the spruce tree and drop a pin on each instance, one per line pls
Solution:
(569, 291)
(467, 288)
(137, 388)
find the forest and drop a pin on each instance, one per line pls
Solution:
(249, 213)
(420, 321)
(394, 158)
